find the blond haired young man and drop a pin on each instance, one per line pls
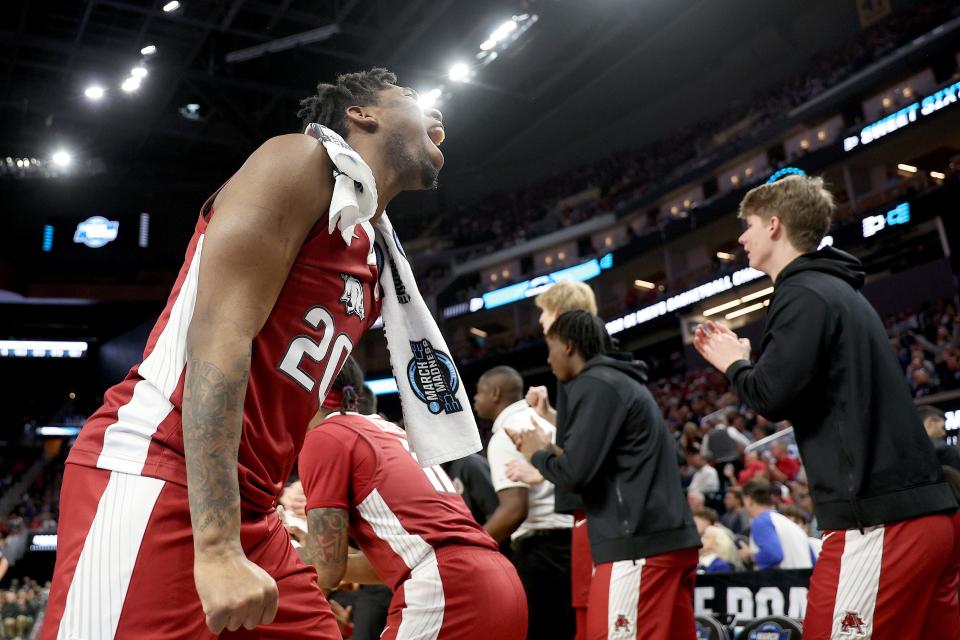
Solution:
(891, 553)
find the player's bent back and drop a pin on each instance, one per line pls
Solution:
(447, 576)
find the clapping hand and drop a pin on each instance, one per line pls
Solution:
(530, 441)
(719, 345)
(520, 471)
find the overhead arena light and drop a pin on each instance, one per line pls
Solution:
(746, 310)
(42, 349)
(727, 257)
(149, 50)
(459, 72)
(644, 284)
(173, 5)
(909, 168)
(94, 92)
(130, 85)
(938, 175)
(503, 30)
(480, 333)
(429, 99)
(190, 111)
(138, 72)
(61, 158)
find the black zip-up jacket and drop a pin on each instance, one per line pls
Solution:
(619, 457)
(826, 366)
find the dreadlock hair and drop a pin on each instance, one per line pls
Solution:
(367, 404)
(349, 383)
(584, 331)
(329, 105)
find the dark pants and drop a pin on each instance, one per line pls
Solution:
(370, 611)
(542, 560)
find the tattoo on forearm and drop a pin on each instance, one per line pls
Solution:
(327, 539)
(212, 418)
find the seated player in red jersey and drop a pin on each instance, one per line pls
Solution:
(167, 528)
(363, 482)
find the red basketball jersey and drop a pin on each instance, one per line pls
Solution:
(330, 299)
(400, 512)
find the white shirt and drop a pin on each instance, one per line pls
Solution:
(706, 480)
(540, 513)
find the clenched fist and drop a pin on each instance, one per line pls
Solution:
(234, 592)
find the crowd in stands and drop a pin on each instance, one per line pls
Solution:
(927, 344)
(21, 605)
(617, 182)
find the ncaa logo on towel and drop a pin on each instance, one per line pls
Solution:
(433, 378)
(770, 631)
(352, 297)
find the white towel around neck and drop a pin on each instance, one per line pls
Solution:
(436, 411)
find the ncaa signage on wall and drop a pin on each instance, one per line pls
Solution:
(904, 117)
(96, 231)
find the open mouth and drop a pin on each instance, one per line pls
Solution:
(437, 134)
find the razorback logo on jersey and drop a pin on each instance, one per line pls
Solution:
(852, 623)
(352, 297)
(622, 624)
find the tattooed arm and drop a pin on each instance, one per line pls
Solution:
(261, 219)
(325, 546)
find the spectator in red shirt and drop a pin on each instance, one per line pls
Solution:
(753, 466)
(785, 467)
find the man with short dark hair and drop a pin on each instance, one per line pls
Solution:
(620, 457)
(891, 553)
(736, 517)
(540, 538)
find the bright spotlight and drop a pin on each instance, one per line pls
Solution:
(138, 72)
(173, 5)
(61, 158)
(503, 30)
(459, 72)
(94, 92)
(429, 99)
(130, 84)
(149, 50)
(486, 45)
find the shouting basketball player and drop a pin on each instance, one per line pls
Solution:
(891, 545)
(167, 527)
(363, 482)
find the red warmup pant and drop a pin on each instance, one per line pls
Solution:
(461, 593)
(125, 566)
(890, 581)
(647, 599)
(581, 572)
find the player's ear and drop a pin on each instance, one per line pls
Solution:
(364, 118)
(775, 226)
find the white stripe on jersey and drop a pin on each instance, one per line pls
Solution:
(411, 548)
(422, 615)
(623, 598)
(99, 586)
(127, 441)
(859, 580)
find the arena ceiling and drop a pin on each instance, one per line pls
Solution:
(587, 77)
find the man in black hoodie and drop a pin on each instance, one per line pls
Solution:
(891, 552)
(619, 457)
